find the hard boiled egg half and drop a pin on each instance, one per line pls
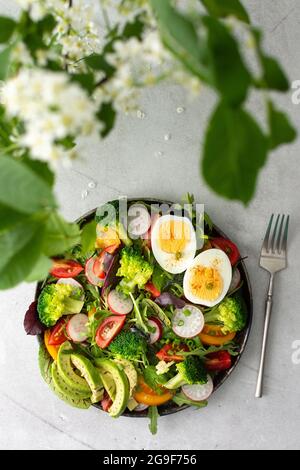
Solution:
(207, 279)
(173, 241)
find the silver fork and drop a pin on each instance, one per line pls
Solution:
(273, 258)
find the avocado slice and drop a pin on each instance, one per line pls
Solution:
(90, 374)
(131, 373)
(46, 368)
(109, 384)
(66, 369)
(121, 383)
(65, 393)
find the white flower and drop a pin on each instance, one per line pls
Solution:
(51, 108)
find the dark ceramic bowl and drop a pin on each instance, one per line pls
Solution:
(241, 338)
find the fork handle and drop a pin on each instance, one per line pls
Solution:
(260, 378)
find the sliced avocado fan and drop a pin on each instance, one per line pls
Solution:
(67, 370)
(90, 374)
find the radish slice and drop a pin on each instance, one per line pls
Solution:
(157, 334)
(77, 328)
(199, 392)
(139, 220)
(188, 321)
(154, 218)
(119, 303)
(141, 407)
(236, 280)
(89, 272)
(71, 282)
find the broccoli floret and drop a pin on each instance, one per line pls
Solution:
(134, 269)
(57, 300)
(108, 215)
(231, 314)
(190, 371)
(129, 345)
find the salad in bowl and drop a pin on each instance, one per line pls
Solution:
(147, 316)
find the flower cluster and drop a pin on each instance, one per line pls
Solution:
(76, 33)
(52, 110)
(141, 64)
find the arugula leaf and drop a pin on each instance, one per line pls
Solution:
(153, 415)
(160, 277)
(26, 192)
(154, 380)
(60, 236)
(180, 399)
(235, 150)
(7, 28)
(281, 130)
(88, 238)
(223, 8)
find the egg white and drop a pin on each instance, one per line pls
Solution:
(166, 260)
(207, 258)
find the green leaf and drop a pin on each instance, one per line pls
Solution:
(98, 62)
(223, 8)
(231, 78)
(15, 238)
(9, 217)
(134, 29)
(281, 130)
(22, 189)
(153, 416)
(40, 270)
(88, 238)
(274, 77)
(41, 169)
(180, 399)
(7, 28)
(107, 115)
(235, 150)
(85, 80)
(60, 235)
(180, 36)
(5, 62)
(25, 255)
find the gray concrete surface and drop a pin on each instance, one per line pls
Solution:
(31, 417)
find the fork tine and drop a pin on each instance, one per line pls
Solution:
(267, 236)
(285, 235)
(272, 246)
(278, 242)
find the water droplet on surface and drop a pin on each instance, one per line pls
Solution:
(180, 110)
(84, 194)
(62, 417)
(159, 153)
(140, 114)
(167, 137)
(92, 185)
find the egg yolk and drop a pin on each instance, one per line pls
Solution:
(174, 236)
(206, 283)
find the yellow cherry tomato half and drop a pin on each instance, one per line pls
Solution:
(212, 335)
(52, 350)
(145, 395)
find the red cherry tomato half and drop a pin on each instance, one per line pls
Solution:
(108, 329)
(228, 247)
(57, 335)
(149, 287)
(98, 267)
(106, 402)
(216, 361)
(168, 353)
(63, 268)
